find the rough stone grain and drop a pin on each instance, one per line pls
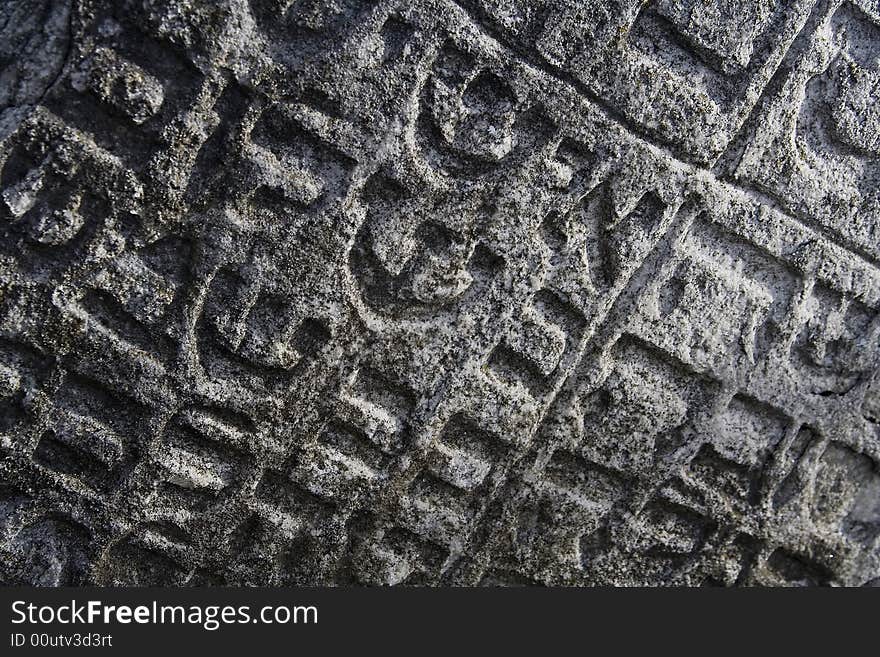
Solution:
(440, 292)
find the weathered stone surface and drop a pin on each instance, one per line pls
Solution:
(436, 292)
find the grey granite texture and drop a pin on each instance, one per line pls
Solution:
(440, 292)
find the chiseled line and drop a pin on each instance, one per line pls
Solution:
(482, 22)
(677, 224)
